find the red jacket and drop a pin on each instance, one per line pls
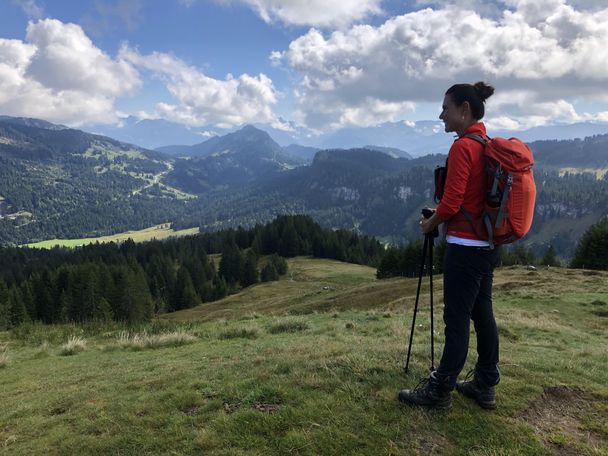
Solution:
(465, 184)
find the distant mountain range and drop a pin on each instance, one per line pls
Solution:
(60, 182)
(416, 138)
(228, 161)
(152, 133)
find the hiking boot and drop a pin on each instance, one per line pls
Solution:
(484, 395)
(430, 392)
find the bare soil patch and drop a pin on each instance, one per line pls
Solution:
(559, 419)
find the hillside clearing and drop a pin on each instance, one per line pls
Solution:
(157, 232)
(312, 365)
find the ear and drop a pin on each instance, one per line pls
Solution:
(466, 108)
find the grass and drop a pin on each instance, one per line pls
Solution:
(313, 371)
(72, 346)
(128, 341)
(3, 357)
(162, 231)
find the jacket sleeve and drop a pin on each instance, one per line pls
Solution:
(459, 170)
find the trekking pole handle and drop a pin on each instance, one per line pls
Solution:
(428, 213)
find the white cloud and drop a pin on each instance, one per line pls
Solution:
(206, 134)
(204, 100)
(371, 112)
(318, 13)
(66, 59)
(554, 52)
(59, 75)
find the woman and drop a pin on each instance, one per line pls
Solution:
(468, 263)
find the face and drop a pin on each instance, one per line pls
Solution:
(452, 115)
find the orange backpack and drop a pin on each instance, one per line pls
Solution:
(509, 205)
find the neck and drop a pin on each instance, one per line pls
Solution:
(461, 131)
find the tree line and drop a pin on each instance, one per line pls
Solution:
(133, 282)
(591, 253)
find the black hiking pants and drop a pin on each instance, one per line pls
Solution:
(467, 295)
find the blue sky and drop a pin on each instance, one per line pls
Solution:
(318, 64)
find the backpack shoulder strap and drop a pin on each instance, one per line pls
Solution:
(478, 138)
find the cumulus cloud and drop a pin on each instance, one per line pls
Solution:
(58, 74)
(204, 100)
(549, 51)
(318, 13)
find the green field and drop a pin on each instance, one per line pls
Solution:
(311, 365)
(162, 231)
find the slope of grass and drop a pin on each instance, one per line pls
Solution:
(158, 232)
(312, 365)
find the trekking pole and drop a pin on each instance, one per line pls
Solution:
(409, 349)
(429, 241)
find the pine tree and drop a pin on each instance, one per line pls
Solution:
(269, 273)
(28, 299)
(220, 287)
(184, 295)
(389, 266)
(47, 304)
(104, 311)
(592, 249)
(16, 308)
(279, 264)
(231, 264)
(289, 244)
(550, 258)
(4, 318)
(139, 303)
(249, 271)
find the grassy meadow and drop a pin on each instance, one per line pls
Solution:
(311, 365)
(158, 232)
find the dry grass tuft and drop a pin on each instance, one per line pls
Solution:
(288, 327)
(3, 357)
(74, 345)
(126, 341)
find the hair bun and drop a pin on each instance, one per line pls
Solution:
(484, 90)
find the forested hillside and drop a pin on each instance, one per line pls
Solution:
(61, 183)
(132, 282)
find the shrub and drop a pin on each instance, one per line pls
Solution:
(288, 327)
(239, 333)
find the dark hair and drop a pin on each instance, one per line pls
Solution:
(476, 94)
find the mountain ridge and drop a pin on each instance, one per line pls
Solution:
(417, 138)
(65, 182)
